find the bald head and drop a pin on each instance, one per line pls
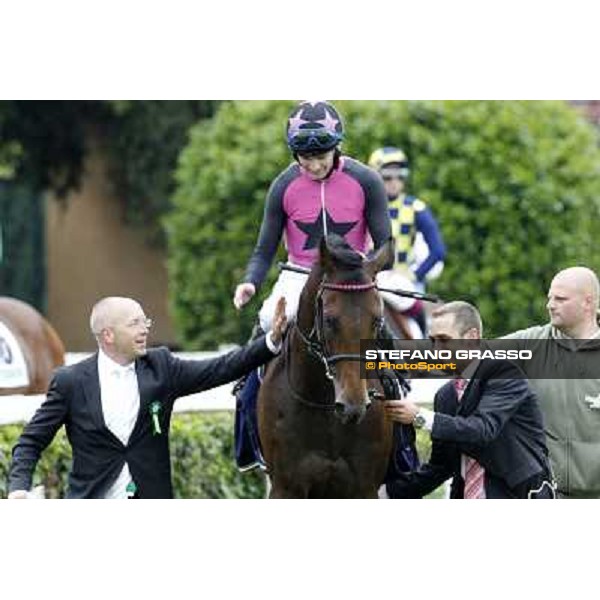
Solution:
(580, 280)
(112, 311)
(573, 302)
(121, 328)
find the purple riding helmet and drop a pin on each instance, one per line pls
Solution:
(314, 127)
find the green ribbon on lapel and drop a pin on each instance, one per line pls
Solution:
(155, 409)
(131, 489)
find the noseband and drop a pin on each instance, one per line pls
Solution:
(316, 343)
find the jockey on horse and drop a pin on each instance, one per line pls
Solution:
(420, 249)
(321, 192)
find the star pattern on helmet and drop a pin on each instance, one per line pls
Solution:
(314, 230)
(294, 124)
(329, 123)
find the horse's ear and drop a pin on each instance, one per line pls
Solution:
(381, 259)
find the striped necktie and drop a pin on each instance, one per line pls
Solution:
(473, 472)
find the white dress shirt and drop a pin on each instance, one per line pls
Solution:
(271, 345)
(120, 397)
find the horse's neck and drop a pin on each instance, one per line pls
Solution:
(306, 308)
(307, 372)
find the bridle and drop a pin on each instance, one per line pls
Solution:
(316, 341)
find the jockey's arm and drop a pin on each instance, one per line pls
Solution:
(425, 223)
(270, 234)
(377, 215)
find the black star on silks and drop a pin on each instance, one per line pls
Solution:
(314, 230)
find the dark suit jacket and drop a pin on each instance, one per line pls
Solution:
(498, 422)
(73, 399)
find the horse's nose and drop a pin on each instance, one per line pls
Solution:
(350, 413)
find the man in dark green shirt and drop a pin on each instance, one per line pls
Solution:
(569, 344)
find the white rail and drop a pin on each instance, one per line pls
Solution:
(19, 408)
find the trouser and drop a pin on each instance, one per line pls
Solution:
(395, 280)
(248, 454)
(289, 284)
(407, 307)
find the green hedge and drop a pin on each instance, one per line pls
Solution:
(201, 455)
(515, 187)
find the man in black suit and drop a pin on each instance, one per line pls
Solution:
(117, 405)
(486, 427)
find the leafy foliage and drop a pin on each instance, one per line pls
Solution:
(22, 250)
(43, 145)
(514, 185)
(222, 179)
(45, 141)
(144, 140)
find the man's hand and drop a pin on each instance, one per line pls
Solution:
(402, 411)
(18, 495)
(243, 294)
(279, 322)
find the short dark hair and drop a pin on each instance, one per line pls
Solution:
(466, 316)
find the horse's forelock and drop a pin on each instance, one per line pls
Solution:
(347, 261)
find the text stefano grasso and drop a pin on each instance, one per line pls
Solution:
(459, 354)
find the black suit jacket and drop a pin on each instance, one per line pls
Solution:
(498, 422)
(73, 399)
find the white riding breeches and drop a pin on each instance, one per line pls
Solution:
(398, 281)
(395, 280)
(289, 284)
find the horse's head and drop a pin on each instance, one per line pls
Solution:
(346, 308)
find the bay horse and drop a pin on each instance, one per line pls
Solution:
(42, 348)
(322, 434)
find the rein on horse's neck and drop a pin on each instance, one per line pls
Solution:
(302, 368)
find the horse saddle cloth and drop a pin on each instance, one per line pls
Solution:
(13, 368)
